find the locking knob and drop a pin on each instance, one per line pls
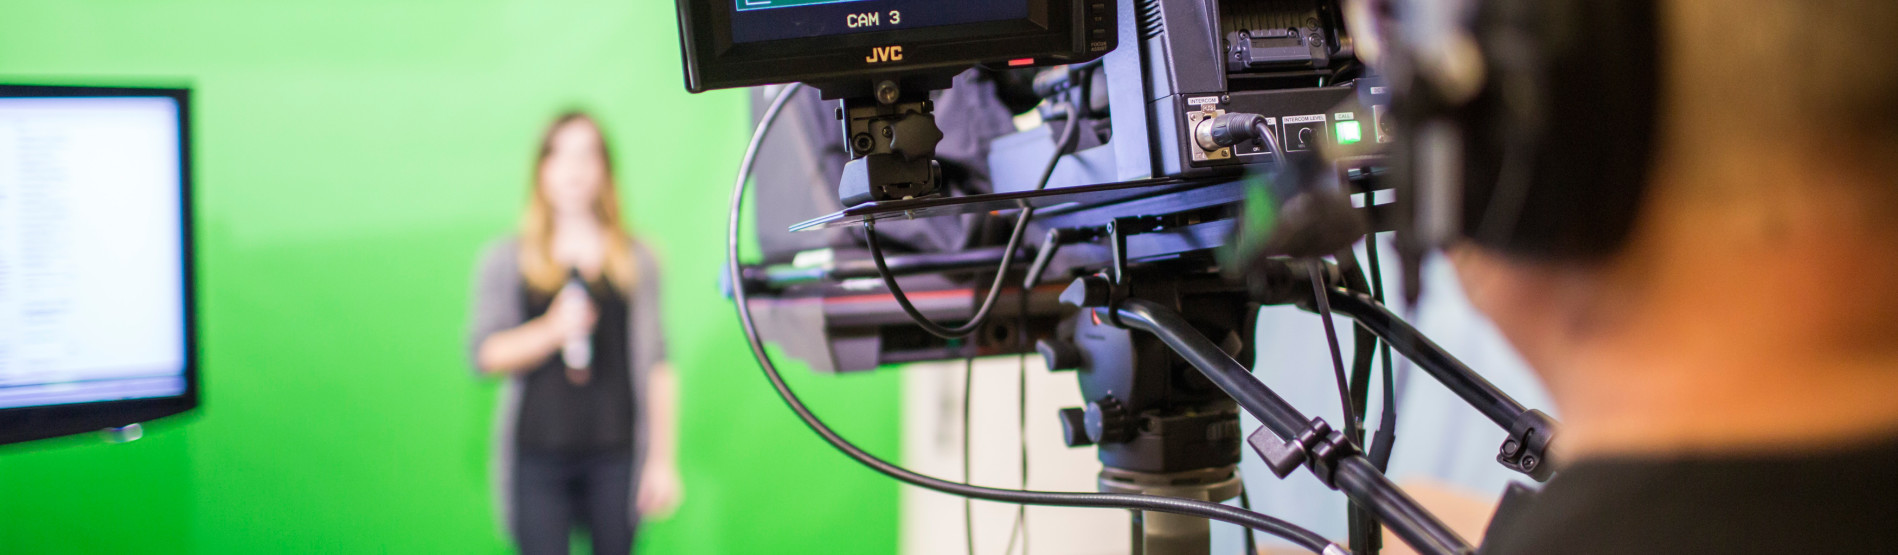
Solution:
(1060, 355)
(1074, 427)
(1107, 421)
(1087, 292)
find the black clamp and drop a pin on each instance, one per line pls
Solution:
(1526, 450)
(1318, 447)
(1096, 292)
(1117, 243)
(1117, 231)
(1106, 290)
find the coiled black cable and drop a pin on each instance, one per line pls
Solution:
(1303, 537)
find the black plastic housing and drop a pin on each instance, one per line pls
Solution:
(1054, 32)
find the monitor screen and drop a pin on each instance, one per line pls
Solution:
(94, 253)
(764, 20)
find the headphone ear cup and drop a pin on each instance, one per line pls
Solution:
(1559, 143)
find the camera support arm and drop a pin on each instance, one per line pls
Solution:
(1530, 431)
(1330, 456)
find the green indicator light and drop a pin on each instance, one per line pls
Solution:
(1348, 133)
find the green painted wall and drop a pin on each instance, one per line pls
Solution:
(353, 155)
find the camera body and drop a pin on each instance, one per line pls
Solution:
(1179, 64)
(1184, 63)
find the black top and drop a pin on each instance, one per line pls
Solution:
(560, 417)
(1837, 502)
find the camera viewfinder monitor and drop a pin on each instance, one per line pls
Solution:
(96, 321)
(739, 43)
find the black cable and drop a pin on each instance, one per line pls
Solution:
(1338, 76)
(1021, 416)
(1303, 537)
(1363, 523)
(1359, 518)
(1331, 338)
(1272, 142)
(1020, 528)
(1407, 341)
(1363, 344)
(1386, 436)
(1008, 256)
(968, 431)
(1245, 502)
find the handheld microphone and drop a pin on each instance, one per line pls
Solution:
(578, 351)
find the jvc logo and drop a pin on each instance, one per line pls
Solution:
(882, 54)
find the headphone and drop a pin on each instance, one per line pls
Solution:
(1527, 126)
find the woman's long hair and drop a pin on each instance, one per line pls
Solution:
(537, 264)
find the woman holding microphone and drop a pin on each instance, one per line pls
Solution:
(567, 312)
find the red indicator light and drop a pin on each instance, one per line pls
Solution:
(1021, 62)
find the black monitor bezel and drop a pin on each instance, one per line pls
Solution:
(1052, 32)
(41, 422)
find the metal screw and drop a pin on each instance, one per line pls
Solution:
(887, 92)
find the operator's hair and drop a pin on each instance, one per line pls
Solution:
(1814, 77)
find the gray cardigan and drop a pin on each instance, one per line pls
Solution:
(497, 307)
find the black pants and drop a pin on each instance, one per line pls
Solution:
(555, 493)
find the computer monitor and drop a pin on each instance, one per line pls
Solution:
(96, 320)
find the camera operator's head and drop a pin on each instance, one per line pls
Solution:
(1756, 302)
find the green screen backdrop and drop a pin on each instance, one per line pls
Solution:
(352, 157)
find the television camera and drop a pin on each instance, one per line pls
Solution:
(1199, 159)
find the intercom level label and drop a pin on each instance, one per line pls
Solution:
(1303, 119)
